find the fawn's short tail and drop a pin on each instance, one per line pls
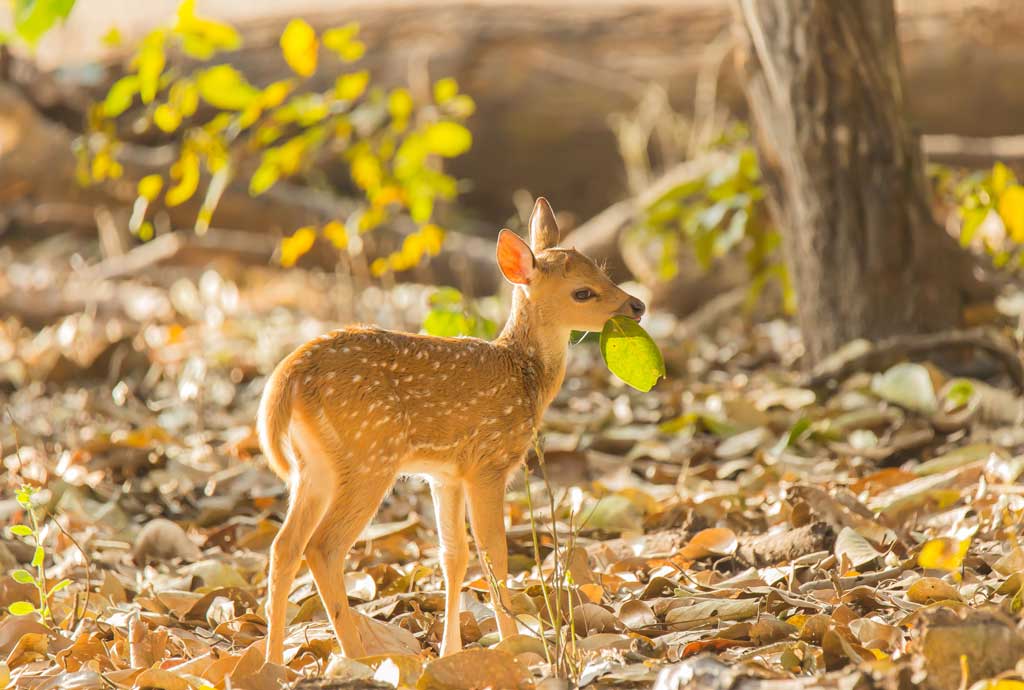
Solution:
(274, 415)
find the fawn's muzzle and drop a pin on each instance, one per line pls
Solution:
(633, 308)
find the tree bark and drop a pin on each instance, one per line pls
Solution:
(824, 86)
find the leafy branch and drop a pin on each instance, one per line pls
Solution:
(226, 128)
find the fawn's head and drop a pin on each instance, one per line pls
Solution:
(561, 284)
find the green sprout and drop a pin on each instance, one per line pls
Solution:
(32, 534)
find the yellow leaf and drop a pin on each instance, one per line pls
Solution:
(1011, 210)
(336, 233)
(342, 41)
(276, 92)
(1000, 178)
(433, 236)
(299, 46)
(400, 104)
(150, 61)
(349, 87)
(292, 248)
(112, 38)
(448, 139)
(999, 684)
(186, 171)
(445, 90)
(226, 88)
(366, 170)
(943, 554)
(166, 117)
(379, 267)
(150, 186)
(184, 94)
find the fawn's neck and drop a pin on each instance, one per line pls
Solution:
(539, 339)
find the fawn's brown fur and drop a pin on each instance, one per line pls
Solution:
(345, 414)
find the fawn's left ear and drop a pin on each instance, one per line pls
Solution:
(543, 228)
(514, 258)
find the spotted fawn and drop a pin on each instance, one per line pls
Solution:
(346, 414)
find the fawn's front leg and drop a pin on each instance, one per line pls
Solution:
(487, 517)
(450, 511)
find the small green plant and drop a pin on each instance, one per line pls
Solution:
(32, 533)
(225, 127)
(716, 214)
(451, 315)
(990, 205)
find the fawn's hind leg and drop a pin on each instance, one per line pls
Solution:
(356, 500)
(306, 506)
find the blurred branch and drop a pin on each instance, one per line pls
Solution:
(952, 146)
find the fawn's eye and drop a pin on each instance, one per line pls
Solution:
(583, 294)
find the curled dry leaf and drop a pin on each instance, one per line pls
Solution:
(714, 541)
(162, 540)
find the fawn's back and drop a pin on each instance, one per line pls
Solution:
(404, 403)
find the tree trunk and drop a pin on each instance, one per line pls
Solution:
(845, 173)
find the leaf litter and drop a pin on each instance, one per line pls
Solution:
(730, 528)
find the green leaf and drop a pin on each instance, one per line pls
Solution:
(448, 139)
(266, 174)
(299, 46)
(21, 608)
(33, 18)
(21, 530)
(24, 577)
(63, 584)
(226, 88)
(972, 219)
(119, 97)
(631, 354)
(38, 556)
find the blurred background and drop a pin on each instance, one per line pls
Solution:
(805, 193)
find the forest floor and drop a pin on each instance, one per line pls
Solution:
(734, 528)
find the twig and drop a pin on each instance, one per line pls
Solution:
(88, 573)
(884, 353)
(847, 583)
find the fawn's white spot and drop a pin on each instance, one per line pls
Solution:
(357, 378)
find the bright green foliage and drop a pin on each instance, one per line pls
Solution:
(991, 209)
(224, 123)
(32, 534)
(451, 315)
(721, 212)
(631, 354)
(33, 18)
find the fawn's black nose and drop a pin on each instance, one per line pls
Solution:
(637, 307)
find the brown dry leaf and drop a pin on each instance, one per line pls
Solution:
(714, 645)
(928, 590)
(988, 640)
(385, 638)
(159, 679)
(854, 548)
(476, 669)
(162, 540)
(714, 541)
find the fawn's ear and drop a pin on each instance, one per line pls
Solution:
(543, 228)
(514, 258)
